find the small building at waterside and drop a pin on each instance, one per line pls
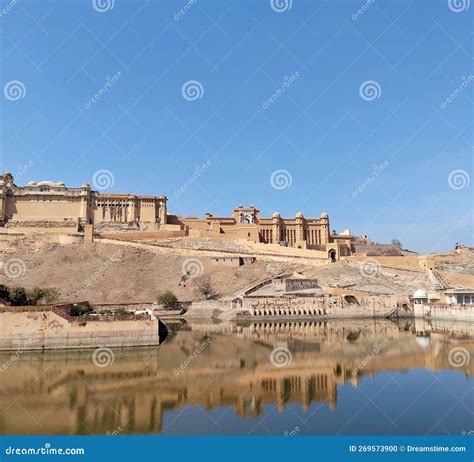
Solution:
(459, 296)
(452, 303)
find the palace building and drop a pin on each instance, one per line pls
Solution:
(246, 223)
(53, 204)
(48, 204)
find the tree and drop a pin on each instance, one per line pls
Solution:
(34, 295)
(18, 296)
(204, 285)
(50, 296)
(80, 309)
(4, 292)
(167, 298)
(396, 242)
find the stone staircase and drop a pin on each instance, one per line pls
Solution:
(439, 283)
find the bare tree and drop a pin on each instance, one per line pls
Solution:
(204, 285)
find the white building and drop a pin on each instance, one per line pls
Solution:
(460, 296)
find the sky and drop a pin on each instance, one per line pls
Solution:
(362, 109)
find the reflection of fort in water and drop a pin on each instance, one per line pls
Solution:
(65, 393)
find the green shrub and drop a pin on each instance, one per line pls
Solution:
(168, 299)
(121, 311)
(4, 292)
(80, 309)
(34, 295)
(18, 296)
(50, 296)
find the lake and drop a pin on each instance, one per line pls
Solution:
(278, 378)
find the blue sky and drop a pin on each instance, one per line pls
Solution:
(390, 158)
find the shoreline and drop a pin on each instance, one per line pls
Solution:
(38, 336)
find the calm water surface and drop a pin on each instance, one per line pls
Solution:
(334, 377)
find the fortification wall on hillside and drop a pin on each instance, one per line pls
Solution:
(373, 249)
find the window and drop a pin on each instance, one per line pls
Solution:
(459, 299)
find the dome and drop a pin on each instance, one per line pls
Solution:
(31, 183)
(299, 215)
(324, 215)
(86, 185)
(276, 215)
(420, 293)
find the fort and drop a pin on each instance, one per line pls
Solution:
(52, 205)
(124, 248)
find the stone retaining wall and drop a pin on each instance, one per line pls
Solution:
(440, 311)
(143, 235)
(300, 284)
(329, 306)
(46, 330)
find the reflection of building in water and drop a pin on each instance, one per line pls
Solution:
(57, 393)
(83, 405)
(328, 330)
(445, 327)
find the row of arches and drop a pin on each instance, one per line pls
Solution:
(308, 311)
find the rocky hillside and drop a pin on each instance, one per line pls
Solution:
(117, 274)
